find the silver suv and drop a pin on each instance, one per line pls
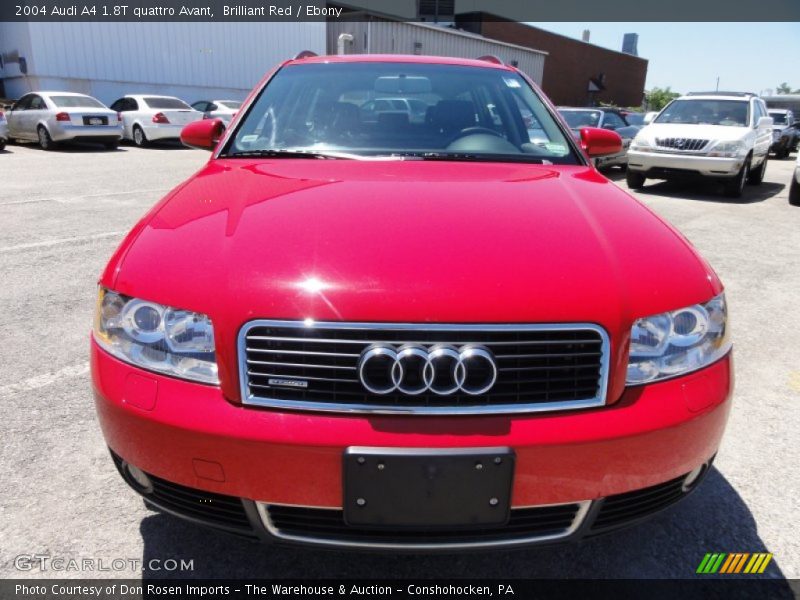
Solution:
(719, 135)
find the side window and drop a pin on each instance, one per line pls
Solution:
(22, 103)
(118, 105)
(211, 107)
(201, 106)
(612, 121)
(131, 104)
(36, 103)
(758, 111)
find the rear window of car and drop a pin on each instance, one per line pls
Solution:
(166, 103)
(581, 118)
(76, 102)
(779, 118)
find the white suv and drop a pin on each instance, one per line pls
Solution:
(720, 135)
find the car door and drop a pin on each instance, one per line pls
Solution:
(127, 110)
(16, 115)
(34, 114)
(763, 135)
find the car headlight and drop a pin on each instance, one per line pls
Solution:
(156, 337)
(728, 149)
(678, 342)
(641, 144)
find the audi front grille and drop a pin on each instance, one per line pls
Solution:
(682, 144)
(429, 369)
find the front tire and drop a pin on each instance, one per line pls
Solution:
(634, 179)
(45, 141)
(735, 187)
(2, 145)
(139, 138)
(757, 176)
(794, 193)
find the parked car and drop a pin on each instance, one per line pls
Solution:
(148, 118)
(3, 130)
(785, 132)
(217, 109)
(54, 117)
(606, 118)
(794, 188)
(434, 336)
(724, 136)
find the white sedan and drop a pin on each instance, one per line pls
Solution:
(147, 117)
(218, 109)
(53, 117)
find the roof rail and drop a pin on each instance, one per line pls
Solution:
(490, 58)
(305, 54)
(743, 94)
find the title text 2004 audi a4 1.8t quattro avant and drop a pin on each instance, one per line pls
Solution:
(363, 328)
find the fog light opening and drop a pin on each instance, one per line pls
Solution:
(693, 477)
(138, 478)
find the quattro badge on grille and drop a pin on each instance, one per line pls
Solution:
(295, 383)
(413, 369)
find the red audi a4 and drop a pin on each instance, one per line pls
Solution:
(399, 309)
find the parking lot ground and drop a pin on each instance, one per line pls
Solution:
(63, 213)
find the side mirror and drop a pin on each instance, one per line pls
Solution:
(764, 122)
(600, 142)
(203, 134)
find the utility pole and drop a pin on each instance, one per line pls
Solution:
(717, 84)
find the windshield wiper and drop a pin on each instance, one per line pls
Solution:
(465, 156)
(282, 153)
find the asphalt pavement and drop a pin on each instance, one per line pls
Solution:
(63, 213)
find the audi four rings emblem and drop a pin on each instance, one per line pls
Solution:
(413, 369)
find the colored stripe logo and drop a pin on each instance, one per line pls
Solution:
(734, 562)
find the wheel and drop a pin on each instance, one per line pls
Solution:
(634, 179)
(757, 176)
(794, 193)
(139, 137)
(45, 141)
(2, 144)
(112, 145)
(735, 187)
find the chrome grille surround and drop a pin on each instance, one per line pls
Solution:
(338, 536)
(682, 144)
(253, 394)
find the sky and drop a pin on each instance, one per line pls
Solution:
(748, 57)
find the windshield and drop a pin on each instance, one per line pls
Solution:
(230, 104)
(635, 118)
(402, 110)
(730, 113)
(166, 103)
(581, 118)
(76, 102)
(779, 118)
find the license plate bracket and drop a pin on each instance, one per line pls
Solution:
(427, 488)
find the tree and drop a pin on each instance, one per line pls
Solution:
(785, 88)
(657, 98)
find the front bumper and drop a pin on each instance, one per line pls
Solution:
(187, 435)
(664, 164)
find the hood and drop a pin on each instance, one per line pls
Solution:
(707, 132)
(407, 241)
